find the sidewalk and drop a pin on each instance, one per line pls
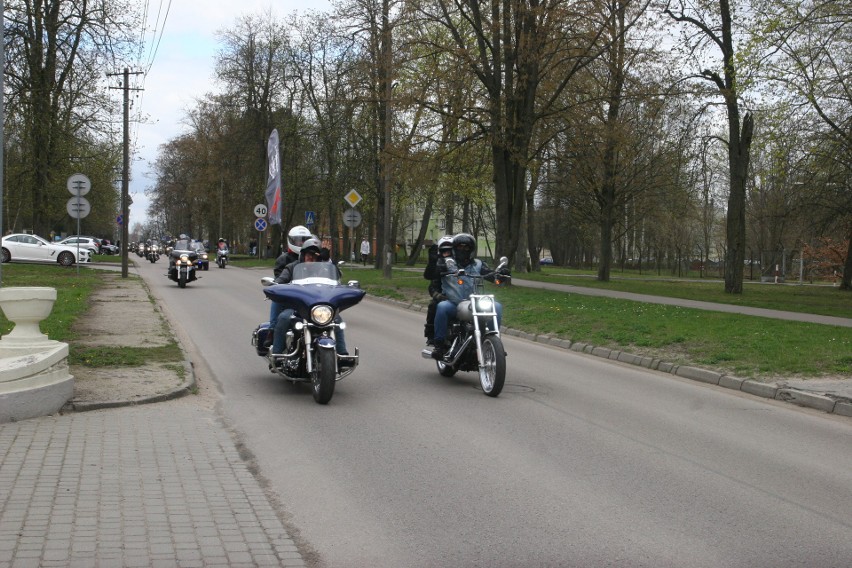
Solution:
(146, 485)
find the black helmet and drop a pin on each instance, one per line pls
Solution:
(464, 248)
(311, 245)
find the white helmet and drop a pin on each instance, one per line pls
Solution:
(445, 243)
(296, 238)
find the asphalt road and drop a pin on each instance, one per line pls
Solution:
(580, 462)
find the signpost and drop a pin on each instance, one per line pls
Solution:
(260, 211)
(352, 217)
(78, 206)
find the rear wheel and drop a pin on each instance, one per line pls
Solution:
(492, 374)
(323, 375)
(65, 259)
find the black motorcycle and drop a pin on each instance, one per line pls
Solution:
(474, 336)
(317, 298)
(182, 263)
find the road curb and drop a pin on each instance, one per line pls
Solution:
(824, 403)
(189, 384)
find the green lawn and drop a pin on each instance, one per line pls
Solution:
(745, 346)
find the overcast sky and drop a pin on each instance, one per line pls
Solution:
(182, 71)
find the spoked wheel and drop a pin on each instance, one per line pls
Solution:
(323, 375)
(492, 374)
(65, 259)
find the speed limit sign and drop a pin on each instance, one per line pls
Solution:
(260, 210)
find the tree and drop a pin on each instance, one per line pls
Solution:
(514, 49)
(57, 50)
(716, 26)
(812, 43)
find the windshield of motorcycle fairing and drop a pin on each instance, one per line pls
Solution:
(182, 245)
(315, 273)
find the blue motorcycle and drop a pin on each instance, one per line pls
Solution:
(317, 298)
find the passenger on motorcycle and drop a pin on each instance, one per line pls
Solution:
(310, 251)
(295, 239)
(458, 287)
(435, 266)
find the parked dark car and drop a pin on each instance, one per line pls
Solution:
(545, 261)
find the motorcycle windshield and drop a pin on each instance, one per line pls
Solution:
(314, 283)
(315, 273)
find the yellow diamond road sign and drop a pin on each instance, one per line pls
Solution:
(353, 198)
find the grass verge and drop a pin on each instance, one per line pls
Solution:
(744, 346)
(72, 300)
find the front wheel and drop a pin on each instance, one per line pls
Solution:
(6, 256)
(181, 279)
(492, 374)
(65, 259)
(323, 375)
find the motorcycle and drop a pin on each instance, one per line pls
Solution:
(182, 264)
(474, 335)
(317, 297)
(222, 257)
(153, 253)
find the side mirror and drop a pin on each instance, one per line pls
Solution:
(267, 280)
(353, 284)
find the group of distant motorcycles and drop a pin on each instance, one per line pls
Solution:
(185, 255)
(317, 297)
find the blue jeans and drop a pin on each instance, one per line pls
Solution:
(279, 319)
(447, 310)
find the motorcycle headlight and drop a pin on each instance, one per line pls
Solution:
(203, 257)
(322, 315)
(485, 305)
(184, 258)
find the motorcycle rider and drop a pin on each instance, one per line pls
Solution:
(310, 251)
(296, 237)
(435, 266)
(458, 287)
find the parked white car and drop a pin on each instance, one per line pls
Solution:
(89, 243)
(20, 247)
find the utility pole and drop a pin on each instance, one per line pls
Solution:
(125, 173)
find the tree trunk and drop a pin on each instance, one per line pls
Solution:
(421, 236)
(738, 158)
(846, 280)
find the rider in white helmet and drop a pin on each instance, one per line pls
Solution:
(295, 239)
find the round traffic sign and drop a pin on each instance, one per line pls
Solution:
(79, 184)
(352, 218)
(260, 224)
(260, 210)
(78, 207)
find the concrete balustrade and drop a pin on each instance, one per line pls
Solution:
(34, 376)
